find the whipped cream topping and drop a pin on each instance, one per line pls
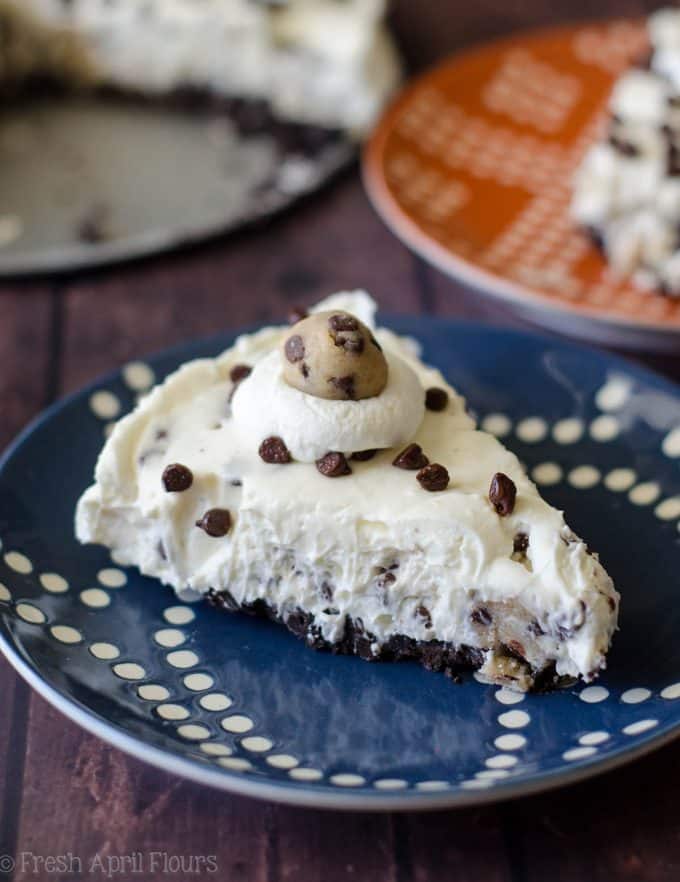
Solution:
(265, 405)
(373, 545)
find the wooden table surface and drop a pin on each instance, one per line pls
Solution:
(64, 791)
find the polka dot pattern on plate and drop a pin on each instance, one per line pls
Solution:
(193, 731)
(547, 473)
(198, 682)
(671, 692)
(501, 761)
(236, 763)
(669, 509)
(5, 595)
(635, 696)
(95, 598)
(213, 748)
(138, 376)
(30, 613)
(129, 671)
(347, 779)
(507, 696)
(390, 784)
(179, 615)
(305, 774)
(257, 744)
(568, 431)
(515, 719)
(619, 480)
(215, 701)
(66, 634)
(532, 430)
(169, 638)
(153, 692)
(105, 651)
(645, 493)
(510, 742)
(282, 761)
(432, 786)
(238, 723)
(592, 739)
(111, 577)
(18, 562)
(583, 477)
(578, 753)
(182, 658)
(105, 405)
(172, 712)
(593, 694)
(639, 727)
(604, 428)
(497, 424)
(54, 583)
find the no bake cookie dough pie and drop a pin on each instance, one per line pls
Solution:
(321, 475)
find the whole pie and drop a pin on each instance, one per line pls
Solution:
(321, 475)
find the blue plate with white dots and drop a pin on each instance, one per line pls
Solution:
(240, 704)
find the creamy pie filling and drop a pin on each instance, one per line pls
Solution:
(375, 560)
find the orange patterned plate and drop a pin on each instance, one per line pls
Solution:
(472, 168)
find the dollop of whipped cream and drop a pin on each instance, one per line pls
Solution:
(264, 405)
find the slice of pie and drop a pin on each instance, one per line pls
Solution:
(329, 63)
(321, 475)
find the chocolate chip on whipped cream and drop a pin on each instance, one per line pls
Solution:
(216, 522)
(333, 355)
(433, 477)
(239, 372)
(411, 458)
(274, 450)
(333, 465)
(502, 494)
(363, 455)
(436, 398)
(177, 478)
(297, 314)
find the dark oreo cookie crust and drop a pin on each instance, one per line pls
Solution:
(433, 655)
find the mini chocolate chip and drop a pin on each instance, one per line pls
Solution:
(333, 465)
(297, 314)
(295, 348)
(160, 435)
(625, 148)
(520, 543)
(345, 384)
(424, 613)
(502, 494)
(343, 323)
(433, 477)
(363, 455)
(240, 372)
(273, 450)
(411, 458)
(160, 548)
(481, 616)
(304, 369)
(216, 522)
(236, 482)
(177, 478)
(326, 591)
(385, 579)
(612, 603)
(436, 398)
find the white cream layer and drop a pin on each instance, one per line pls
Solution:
(302, 540)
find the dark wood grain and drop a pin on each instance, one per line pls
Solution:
(63, 790)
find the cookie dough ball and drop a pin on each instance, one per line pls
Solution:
(333, 355)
